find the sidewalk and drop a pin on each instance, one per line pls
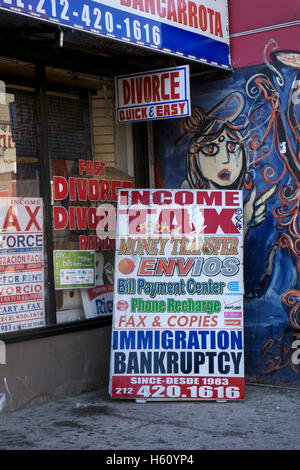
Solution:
(268, 419)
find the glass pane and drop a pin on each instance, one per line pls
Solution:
(73, 215)
(84, 213)
(22, 261)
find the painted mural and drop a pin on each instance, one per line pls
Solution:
(244, 133)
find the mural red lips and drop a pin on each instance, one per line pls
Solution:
(224, 175)
(126, 266)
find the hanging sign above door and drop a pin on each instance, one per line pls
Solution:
(194, 29)
(160, 94)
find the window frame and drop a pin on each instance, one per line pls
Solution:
(41, 88)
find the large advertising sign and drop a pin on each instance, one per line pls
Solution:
(178, 296)
(195, 29)
(74, 269)
(160, 94)
(21, 264)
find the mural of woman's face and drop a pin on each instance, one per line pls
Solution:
(221, 160)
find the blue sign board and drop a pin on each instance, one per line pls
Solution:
(193, 29)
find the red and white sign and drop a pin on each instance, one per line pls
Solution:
(21, 264)
(160, 94)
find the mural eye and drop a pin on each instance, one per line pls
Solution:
(232, 146)
(210, 150)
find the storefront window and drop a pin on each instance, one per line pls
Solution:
(74, 214)
(57, 207)
(22, 260)
(84, 214)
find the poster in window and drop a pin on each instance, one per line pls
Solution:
(21, 264)
(74, 269)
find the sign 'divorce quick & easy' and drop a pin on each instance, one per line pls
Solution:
(160, 94)
(178, 296)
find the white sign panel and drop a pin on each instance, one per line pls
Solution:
(178, 296)
(21, 264)
(160, 94)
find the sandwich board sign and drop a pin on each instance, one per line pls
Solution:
(177, 328)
